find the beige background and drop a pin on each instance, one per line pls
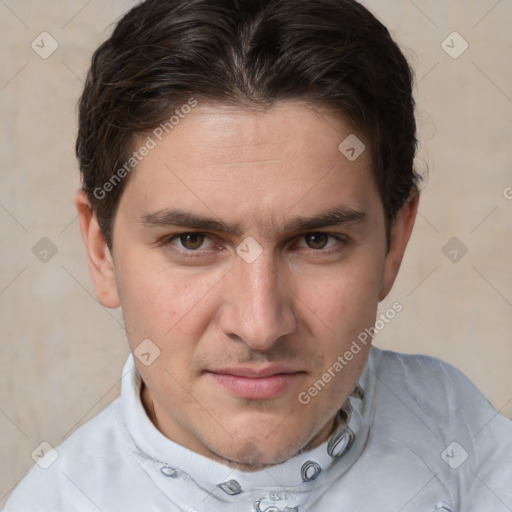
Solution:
(62, 353)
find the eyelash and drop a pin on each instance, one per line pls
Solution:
(341, 239)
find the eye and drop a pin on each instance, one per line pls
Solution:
(189, 241)
(319, 241)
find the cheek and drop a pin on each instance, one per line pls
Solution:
(345, 298)
(163, 304)
(339, 308)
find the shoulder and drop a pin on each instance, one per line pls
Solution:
(429, 408)
(52, 483)
(436, 393)
(431, 383)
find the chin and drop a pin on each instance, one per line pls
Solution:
(257, 449)
(250, 457)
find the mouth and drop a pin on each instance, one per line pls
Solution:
(256, 383)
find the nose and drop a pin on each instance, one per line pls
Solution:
(258, 305)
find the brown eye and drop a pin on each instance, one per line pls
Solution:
(317, 240)
(192, 241)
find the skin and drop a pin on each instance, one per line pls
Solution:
(302, 301)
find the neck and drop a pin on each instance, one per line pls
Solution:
(325, 432)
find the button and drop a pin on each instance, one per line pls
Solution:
(358, 392)
(340, 443)
(442, 506)
(274, 503)
(170, 472)
(310, 470)
(232, 487)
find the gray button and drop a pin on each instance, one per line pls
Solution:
(358, 392)
(232, 487)
(170, 472)
(274, 504)
(310, 470)
(442, 506)
(340, 443)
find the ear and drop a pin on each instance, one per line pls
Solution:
(399, 237)
(101, 265)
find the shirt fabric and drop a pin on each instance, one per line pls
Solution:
(419, 437)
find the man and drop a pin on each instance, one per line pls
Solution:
(248, 195)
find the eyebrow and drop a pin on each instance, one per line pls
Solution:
(332, 217)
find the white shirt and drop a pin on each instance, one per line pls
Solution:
(422, 439)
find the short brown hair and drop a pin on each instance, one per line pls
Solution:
(255, 53)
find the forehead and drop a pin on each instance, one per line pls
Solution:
(241, 134)
(223, 160)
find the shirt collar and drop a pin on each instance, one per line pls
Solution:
(179, 471)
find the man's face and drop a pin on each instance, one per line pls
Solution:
(252, 253)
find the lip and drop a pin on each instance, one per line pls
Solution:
(253, 383)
